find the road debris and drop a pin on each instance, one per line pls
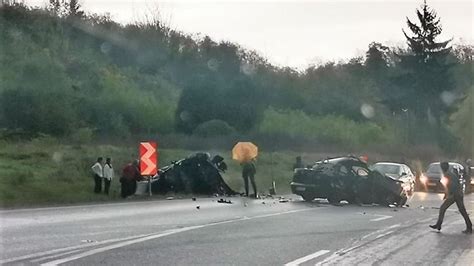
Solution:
(224, 201)
(198, 207)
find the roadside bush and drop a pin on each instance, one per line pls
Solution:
(329, 129)
(82, 135)
(214, 128)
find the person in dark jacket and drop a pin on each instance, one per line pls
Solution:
(249, 171)
(298, 163)
(453, 195)
(130, 176)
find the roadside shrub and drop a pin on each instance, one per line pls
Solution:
(214, 128)
(82, 135)
(329, 129)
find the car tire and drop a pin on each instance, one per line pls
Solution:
(390, 199)
(308, 197)
(403, 200)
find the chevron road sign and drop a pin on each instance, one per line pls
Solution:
(148, 158)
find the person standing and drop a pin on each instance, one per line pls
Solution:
(453, 194)
(108, 175)
(130, 175)
(98, 174)
(298, 163)
(248, 172)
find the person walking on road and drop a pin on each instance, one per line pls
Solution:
(453, 194)
(249, 171)
(98, 174)
(108, 175)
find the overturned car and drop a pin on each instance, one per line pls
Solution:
(197, 174)
(347, 178)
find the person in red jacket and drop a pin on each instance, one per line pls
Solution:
(130, 176)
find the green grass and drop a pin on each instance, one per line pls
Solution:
(45, 172)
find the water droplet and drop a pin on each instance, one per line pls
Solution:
(213, 64)
(57, 157)
(248, 69)
(185, 116)
(105, 47)
(367, 110)
(448, 97)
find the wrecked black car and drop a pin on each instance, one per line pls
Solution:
(197, 174)
(347, 178)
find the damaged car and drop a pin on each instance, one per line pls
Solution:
(196, 174)
(350, 179)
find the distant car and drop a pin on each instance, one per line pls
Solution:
(434, 180)
(397, 171)
(347, 178)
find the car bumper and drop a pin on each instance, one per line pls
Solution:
(300, 188)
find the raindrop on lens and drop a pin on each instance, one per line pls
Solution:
(367, 110)
(105, 47)
(185, 116)
(57, 157)
(448, 97)
(212, 64)
(248, 69)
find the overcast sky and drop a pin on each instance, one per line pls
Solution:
(294, 33)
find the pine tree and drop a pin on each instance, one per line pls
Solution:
(424, 70)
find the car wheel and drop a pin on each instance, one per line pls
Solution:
(308, 197)
(403, 200)
(390, 199)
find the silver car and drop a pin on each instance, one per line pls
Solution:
(397, 171)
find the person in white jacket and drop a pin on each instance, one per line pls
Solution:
(98, 174)
(108, 175)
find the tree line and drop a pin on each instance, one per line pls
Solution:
(65, 71)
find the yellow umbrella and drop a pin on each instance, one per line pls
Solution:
(244, 151)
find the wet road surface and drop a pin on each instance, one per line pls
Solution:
(263, 232)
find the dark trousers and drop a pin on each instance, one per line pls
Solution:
(246, 182)
(458, 198)
(97, 183)
(128, 187)
(106, 185)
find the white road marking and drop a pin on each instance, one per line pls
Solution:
(394, 226)
(306, 258)
(381, 217)
(49, 252)
(162, 234)
(55, 256)
(384, 234)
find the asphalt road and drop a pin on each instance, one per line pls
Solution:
(257, 232)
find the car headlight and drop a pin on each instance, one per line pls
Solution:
(423, 179)
(444, 181)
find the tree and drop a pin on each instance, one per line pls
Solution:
(423, 70)
(377, 58)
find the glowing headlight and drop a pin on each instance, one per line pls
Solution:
(423, 179)
(444, 181)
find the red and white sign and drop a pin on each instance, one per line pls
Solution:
(148, 158)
